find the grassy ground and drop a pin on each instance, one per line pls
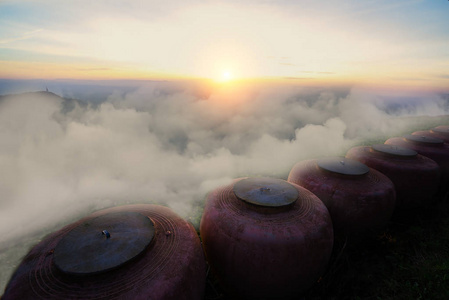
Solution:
(409, 260)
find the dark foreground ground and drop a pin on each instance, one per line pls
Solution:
(409, 260)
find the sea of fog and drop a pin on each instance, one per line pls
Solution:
(171, 143)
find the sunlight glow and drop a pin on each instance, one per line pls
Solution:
(223, 75)
(241, 42)
(226, 76)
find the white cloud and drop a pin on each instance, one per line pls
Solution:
(163, 144)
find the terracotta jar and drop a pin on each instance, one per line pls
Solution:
(129, 252)
(416, 178)
(439, 132)
(433, 148)
(359, 199)
(266, 238)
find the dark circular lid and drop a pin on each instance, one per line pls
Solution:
(342, 165)
(103, 243)
(423, 139)
(441, 129)
(394, 150)
(266, 191)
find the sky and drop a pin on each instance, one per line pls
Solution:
(400, 44)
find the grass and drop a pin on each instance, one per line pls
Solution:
(409, 260)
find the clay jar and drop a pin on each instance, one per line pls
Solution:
(431, 147)
(416, 178)
(359, 199)
(129, 252)
(266, 238)
(439, 132)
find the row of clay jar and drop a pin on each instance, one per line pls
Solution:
(263, 237)
(266, 237)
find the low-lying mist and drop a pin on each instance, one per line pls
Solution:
(163, 143)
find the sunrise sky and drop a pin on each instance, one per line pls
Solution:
(384, 43)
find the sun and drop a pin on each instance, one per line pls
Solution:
(224, 76)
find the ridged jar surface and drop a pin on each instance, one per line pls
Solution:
(172, 267)
(356, 203)
(439, 135)
(439, 152)
(416, 178)
(264, 252)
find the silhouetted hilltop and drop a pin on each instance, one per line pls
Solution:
(68, 104)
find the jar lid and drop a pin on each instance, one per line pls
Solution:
(103, 243)
(342, 165)
(423, 139)
(269, 192)
(394, 150)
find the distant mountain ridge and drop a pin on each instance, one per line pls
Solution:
(67, 103)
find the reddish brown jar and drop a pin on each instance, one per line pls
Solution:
(266, 238)
(129, 252)
(416, 178)
(432, 148)
(439, 132)
(358, 198)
